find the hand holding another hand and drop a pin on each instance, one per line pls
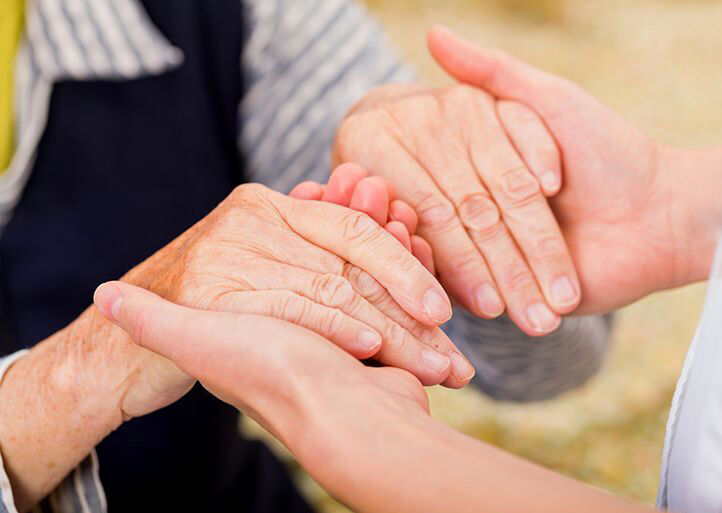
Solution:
(477, 175)
(321, 266)
(627, 205)
(363, 433)
(292, 381)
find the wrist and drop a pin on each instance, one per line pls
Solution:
(357, 438)
(693, 180)
(55, 406)
(363, 453)
(84, 366)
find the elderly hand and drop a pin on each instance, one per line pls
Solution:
(623, 208)
(480, 205)
(321, 266)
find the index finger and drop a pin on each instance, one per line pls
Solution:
(358, 239)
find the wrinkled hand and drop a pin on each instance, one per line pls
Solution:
(480, 205)
(617, 211)
(318, 265)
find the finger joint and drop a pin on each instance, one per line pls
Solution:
(359, 228)
(518, 188)
(479, 213)
(435, 212)
(517, 280)
(548, 247)
(332, 290)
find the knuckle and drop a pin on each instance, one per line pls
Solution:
(396, 336)
(492, 233)
(246, 191)
(517, 280)
(479, 213)
(289, 307)
(333, 290)
(332, 322)
(518, 187)
(466, 262)
(435, 212)
(422, 333)
(365, 283)
(359, 228)
(547, 247)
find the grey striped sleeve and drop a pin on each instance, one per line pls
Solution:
(304, 65)
(80, 491)
(512, 366)
(83, 39)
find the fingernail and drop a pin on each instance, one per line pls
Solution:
(461, 368)
(369, 340)
(549, 181)
(563, 292)
(542, 319)
(436, 307)
(488, 301)
(108, 298)
(438, 363)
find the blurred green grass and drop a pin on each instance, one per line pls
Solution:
(656, 62)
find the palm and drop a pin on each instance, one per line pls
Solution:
(616, 240)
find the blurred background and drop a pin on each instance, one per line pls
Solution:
(658, 63)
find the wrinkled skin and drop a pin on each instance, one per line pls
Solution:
(260, 252)
(479, 188)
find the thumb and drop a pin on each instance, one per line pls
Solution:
(501, 74)
(151, 322)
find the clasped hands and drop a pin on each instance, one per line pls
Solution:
(464, 199)
(470, 174)
(466, 179)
